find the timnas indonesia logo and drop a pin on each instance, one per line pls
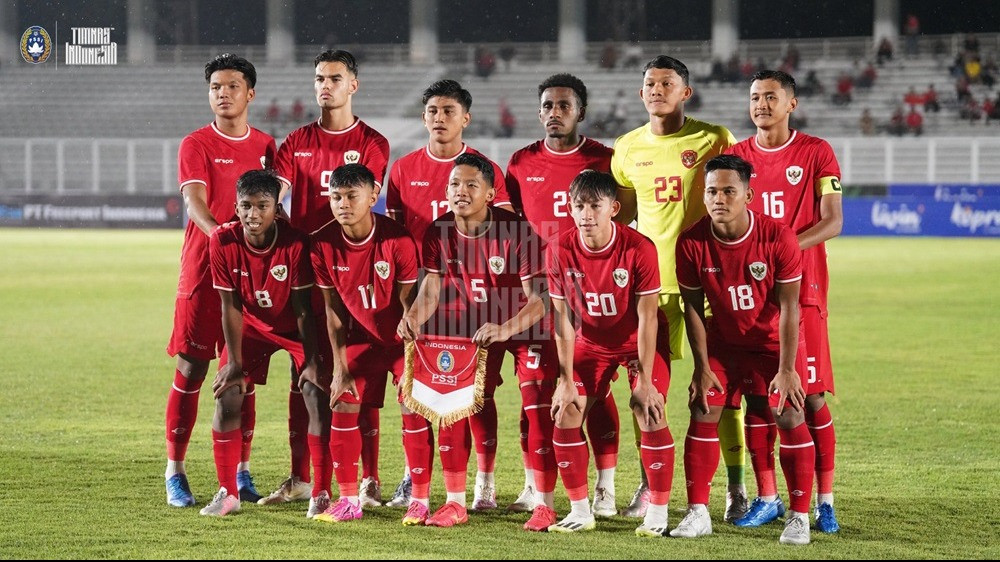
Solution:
(92, 46)
(36, 45)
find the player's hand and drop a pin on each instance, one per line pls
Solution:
(310, 374)
(408, 330)
(489, 333)
(565, 397)
(701, 382)
(343, 383)
(228, 376)
(647, 403)
(789, 388)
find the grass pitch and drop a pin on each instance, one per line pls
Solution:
(84, 378)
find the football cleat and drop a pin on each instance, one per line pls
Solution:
(222, 504)
(604, 503)
(796, 530)
(574, 523)
(179, 492)
(651, 531)
(416, 514)
(291, 490)
(826, 520)
(736, 505)
(318, 504)
(640, 501)
(484, 497)
(449, 515)
(696, 523)
(525, 502)
(343, 510)
(761, 512)
(370, 492)
(248, 492)
(542, 517)
(401, 497)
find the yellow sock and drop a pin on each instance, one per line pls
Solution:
(733, 444)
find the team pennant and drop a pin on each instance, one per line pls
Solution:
(444, 378)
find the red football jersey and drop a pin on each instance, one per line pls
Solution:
(310, 154)
(481, 276)
(786, 188)
(602, 286)
(738, 278)
(418, 183)
(263, 279)
(365, 274)
(538, 181)
(217, 160)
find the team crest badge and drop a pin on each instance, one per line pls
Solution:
(445, 361)
(382, 269)
(621, 277)
(36, 45)
(793, 174)
(279, 272)
(352, 157)
(496, 264)
(689, 158)
(759, 270)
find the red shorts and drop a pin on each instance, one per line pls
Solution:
(594, 368)
(535, 361)
(819, 366)
(751, 371)
(370, 365)
(258, 348)
(198, 323)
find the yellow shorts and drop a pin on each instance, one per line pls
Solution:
(672, 307)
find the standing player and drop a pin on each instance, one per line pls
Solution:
(660, 166)
(538, 178)
(604, 287)
(416, 196)
(366, 265)
(748, 266)
(484, 268)
(208, 163)
(305, 164)
(797, 182)
(261, 269)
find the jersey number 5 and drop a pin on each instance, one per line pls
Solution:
(669, 190)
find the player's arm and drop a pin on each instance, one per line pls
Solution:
(302, 308)
(831, 215)
(196, 200)
(336, 328)
(565, 395)
(786, 382)
(231, 374)
(702, 379)
(529, 315)
(647, 402)
(629, 206)
(407, 294)
(423, 306)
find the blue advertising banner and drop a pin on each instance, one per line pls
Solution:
(926, 210)
(91, 211)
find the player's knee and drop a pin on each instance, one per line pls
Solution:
(698, 415)
(790, 418)
(229, 404)
(192, 368)
(815, 402)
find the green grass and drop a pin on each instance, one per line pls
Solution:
(84, 377)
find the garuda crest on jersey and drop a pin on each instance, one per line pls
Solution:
(620, 276)
(689, 158)
(758, 270)
(793, 174)
(382, 269)
(496, 264)
(279, 272)
(352, 157)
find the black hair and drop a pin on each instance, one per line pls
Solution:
(783, 78)
(338, 55)
(352, 175)
(448, 89)
(565, 81)
(669, 63)
(731, 162)
(229, 61)
(478, 162)
(254, 182)
(591, 185)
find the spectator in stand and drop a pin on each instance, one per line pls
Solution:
(915, 122)
(971, 44)
(609, 56)
(884, 51)
(931, 100)
(988, 73)
(507, 120)
(867, 77)
(790, 64)
(273, 114)
(962, 90)
(911, 29)
(913, 99)
(845, 85)
(989, 110)
(507, 54)
(971, 110)
(812, 85)
(733, 71)
(297, 113)
(718, 72)
(867, 124)
(897, 123)
(973, 68)
(486, 62)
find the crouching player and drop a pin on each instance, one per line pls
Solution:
(366, 265)
(749, 268)
(605, 283)
(261, 268)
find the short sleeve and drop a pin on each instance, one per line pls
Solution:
(192, 164)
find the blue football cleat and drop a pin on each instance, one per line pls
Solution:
(179, 492)
(826, 520)
(248, 492)
(761, 512)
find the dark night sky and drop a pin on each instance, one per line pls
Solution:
(386, 21)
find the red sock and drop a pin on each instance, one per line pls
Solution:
(369, 423)
(526, 459)
(455, 444)
(226, 448)
(820, 425)
(248, 420)
(657, 453)
(319, 452)
(602, 432)
(536, 405)
(298, 429)
(418, 443)
(573, 458)
(484, 429)
(701, 458)
(761, 432)
(798, 461)
(182, 411)
(345, 450)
